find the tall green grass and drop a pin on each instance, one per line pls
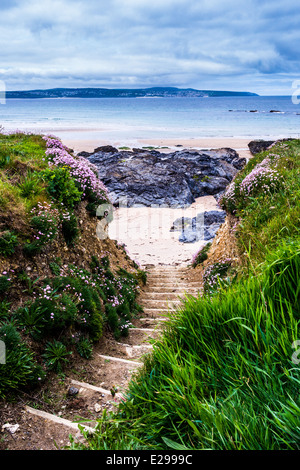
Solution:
(222, 376)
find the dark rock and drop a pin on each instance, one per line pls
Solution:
(202, 227)
(214, 217)
(73, 391)
(148, 177)
(106, 149)
(257, 146)
(84, 154)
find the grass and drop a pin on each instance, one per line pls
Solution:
(21, 158)
(222, 376)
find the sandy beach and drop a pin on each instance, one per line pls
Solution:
(146, 231)
(79, 143)
(147, 236)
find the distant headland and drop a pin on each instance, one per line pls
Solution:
(159, 92)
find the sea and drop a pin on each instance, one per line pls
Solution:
(266, 117)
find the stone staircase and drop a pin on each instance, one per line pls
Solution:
(114, 362)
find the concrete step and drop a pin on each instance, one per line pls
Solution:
(157, 312)
(175, 282)
(120, 359)
(171, 289)
(147, 330)
(161, 296)
(150, 303)
(57, 419)
(94, 388)
(157, 320)
(149, 322)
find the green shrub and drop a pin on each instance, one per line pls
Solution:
(55, 268)
(8, 243)
(30, 185)
(141, 276)
(5, 284)
(201, 255)
(20, 369)
(78, 285)
(44, 225)
(214, 275)
(61, 186)
(70, 229)
(32, 320)
(4, 310)
(32, 249)
(4, 160)
(84, 347)
(112, 317)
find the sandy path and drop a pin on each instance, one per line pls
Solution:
(146, 232)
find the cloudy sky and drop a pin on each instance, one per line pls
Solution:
(246, 45)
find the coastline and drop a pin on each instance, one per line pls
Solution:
(145, 231)
(79, 143)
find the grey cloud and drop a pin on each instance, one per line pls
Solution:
(170, 42)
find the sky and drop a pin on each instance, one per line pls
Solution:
(233, 45)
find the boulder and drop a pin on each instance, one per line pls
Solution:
(149, 177)
(202, 227)
(257, 146)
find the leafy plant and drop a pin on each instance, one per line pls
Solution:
(20, 368)
(30, 185)
(201, 255)
(70, 229)
(4, 310)
(28, 282)
(61, 186)
(141, 276)
(5, 284)
(32, 320)
(214, 275)
(84, 347)
(55, 268)
(4, 160)
(56, 355)
(8, 243)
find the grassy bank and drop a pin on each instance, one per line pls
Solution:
(61, 286)
(225, 374)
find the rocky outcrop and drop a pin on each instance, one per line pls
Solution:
(149, 177)
(257, 146)
(202, 227)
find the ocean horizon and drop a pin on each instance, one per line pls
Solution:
(268, 117)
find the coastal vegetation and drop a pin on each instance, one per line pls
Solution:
(60, 286)
(162, 92)
(224, 374)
